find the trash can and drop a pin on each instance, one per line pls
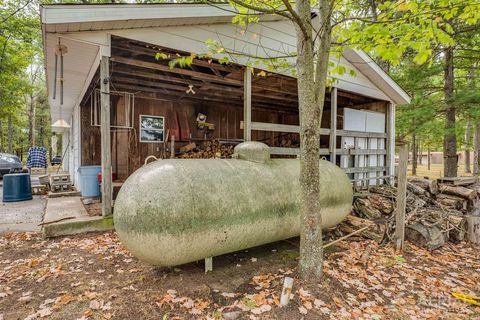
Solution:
(88, 181)
(17, 187)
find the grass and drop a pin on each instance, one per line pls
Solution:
(436, 171)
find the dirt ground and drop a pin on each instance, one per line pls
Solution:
(93, 277)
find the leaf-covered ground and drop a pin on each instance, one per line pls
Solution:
(93, 277)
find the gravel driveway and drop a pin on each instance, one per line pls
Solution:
(23, 215)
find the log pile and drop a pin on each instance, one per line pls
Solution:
(208, 149)
(435, 212)
(290, 140)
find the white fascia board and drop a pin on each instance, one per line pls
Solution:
(372, 70)
(57, 14)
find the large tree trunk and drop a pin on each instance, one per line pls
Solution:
(476, 149)
(311, 95)
(10, 134)
(450, 140)
(468, 139)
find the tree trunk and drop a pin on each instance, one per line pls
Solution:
(311, 81)
(468, 139)
(476, 149)
(450, 140)
(31, 121)
(414, 154)
(429, 158)
(2, 140)
(10, 134)
(420, 153)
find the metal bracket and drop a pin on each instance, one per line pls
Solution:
(208, 264)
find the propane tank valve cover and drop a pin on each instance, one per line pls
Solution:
(252, 151)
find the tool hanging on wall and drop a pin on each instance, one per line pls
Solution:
(204, 126)
(190, 89)
(60, 51)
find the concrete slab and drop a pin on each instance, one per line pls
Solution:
(21, 216)
(67, 215)
(78, 225)
(64, 207)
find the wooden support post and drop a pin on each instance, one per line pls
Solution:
(105, 137)
(390, 142)
(247, 105)
(208, 264)
(286, 291)
(473, 223)
(333, 126)
(172, 147)
(401, 197)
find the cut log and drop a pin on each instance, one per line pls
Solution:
(373, 206)
(462, 192)
(359, 222)
(451, 201)
(188, 147)
(429, 237)
(419, 191)
(458, 229)
(473, 225)
(431, 185)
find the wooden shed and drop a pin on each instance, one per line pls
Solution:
(101, 68)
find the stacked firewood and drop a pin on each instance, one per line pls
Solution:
(290, 140)
(208, 149)
(434, 212)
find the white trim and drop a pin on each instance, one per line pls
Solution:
(140, 128)
(59, 14)
(374, 73)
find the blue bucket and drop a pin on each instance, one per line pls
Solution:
(17, 187)
(89, 184)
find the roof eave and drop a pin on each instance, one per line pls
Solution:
(356, 57)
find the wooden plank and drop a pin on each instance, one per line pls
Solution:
(401, 198)
(361, 134)
(458, 181)
(247, 105)
(296, 151)
(333, 126)
(356, 164)
(105, 137)
(390, 141)
(186, 72)
(364, 170)
(204, 89)
(367, 151)
(371, 178)
(264, 126)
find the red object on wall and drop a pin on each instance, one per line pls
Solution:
(172, 124)
(184, 125)
(99, 177)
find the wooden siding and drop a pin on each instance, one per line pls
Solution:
(128, 153)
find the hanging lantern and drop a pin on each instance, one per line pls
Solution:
(59, 125)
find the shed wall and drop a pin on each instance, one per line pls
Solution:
(126, 160)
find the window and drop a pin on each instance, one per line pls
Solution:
(151, 128)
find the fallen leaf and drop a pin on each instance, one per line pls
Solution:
(45, 312)
(95, 305)
(302, 310)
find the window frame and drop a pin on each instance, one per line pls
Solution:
(140, 128)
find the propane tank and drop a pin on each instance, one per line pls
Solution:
(176, 211)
